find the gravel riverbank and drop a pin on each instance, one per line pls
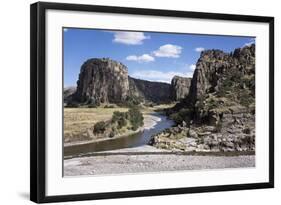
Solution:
(120, 161)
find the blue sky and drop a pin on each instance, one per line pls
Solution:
(148, 55)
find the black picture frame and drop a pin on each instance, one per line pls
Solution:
(38, 101)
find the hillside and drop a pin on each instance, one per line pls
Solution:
(219, 112)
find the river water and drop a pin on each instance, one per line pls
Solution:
(153, 124)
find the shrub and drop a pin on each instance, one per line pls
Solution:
(182, 115)
(132, 101)
(245, 98)
(92, 106)
(111, 134)
(212, 104)
(109, 106)
(120, 118)
(118, 115)
(135, 117)
(100, 127)
(176, 117)
(72, 105)
(122, 122)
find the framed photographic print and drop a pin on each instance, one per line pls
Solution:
(129, 102)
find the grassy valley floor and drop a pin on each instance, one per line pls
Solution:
(78, 120)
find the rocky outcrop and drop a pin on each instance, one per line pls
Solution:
(107, 81)
(68, 93)
(150, 91)
(180, 87)
(221, 96)
(216, 71)
(102, 81)
(237, 133)
(221, 82)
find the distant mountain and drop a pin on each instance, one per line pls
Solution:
(68, 92)
(156, 92)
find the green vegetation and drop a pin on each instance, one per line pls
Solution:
(100, 127)
(131, 101)
(120, 118)
(135, 118)
(72, 105)
(109, 106)
(77, 121)
(245, 98)
(120, 123)
(182, 115)
(238, 88)
(92, 106)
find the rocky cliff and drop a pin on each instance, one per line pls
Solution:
(68, 93)
(223, 83)
(107, 81)
(150, 91)
(219, 112)
(102, 81)
(217, 72)
(180, 87)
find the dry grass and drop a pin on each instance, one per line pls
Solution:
(78, 120)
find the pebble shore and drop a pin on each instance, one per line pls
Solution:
(119, 161)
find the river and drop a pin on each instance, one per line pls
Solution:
(153, 124)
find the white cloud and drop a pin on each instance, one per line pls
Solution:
(192, 67)
(169, 51)
(143, 58)
(249, 43)
(130, 38)
(199, 49)
(159, 76)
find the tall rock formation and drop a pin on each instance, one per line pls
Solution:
(107, 81)
(222, 83)
(218, 115)
(68, 94)
(216, 71)
(102, 81)
(180, 87)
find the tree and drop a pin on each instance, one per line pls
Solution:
(135, 117)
